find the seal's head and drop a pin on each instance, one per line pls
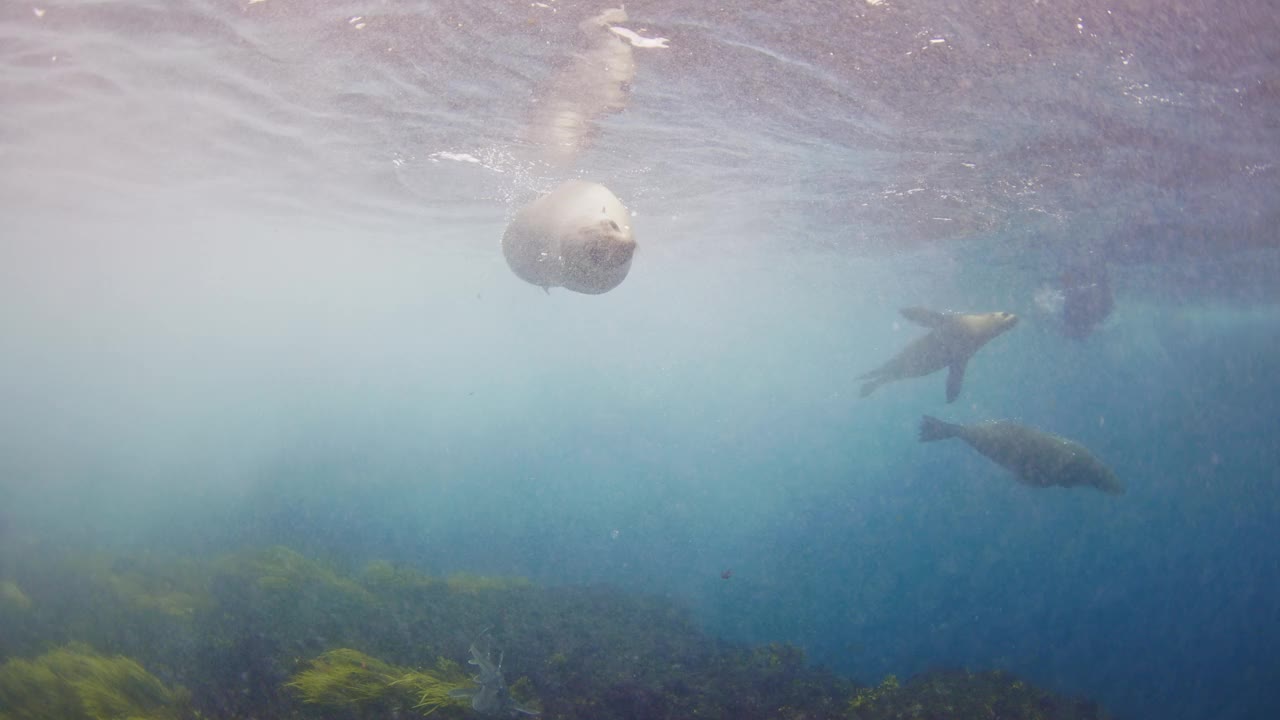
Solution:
(599, 257)
(578, 236)
(981, 327)
(995, 323)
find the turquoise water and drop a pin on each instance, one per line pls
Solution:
(251, 294)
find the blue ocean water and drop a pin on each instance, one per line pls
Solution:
(251, 294)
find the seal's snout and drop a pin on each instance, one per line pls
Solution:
(611, 252)
(626, 248)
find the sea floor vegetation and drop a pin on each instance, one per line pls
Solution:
(270, 633)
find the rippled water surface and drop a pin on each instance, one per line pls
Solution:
(853, 126)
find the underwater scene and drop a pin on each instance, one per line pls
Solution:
(776, 359)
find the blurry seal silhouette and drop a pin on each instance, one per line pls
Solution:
(955, 338)
(1035, 457)
(1087, 299)
(578, 237)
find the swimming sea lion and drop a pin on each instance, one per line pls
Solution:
(955, 338)
(1086, 300)
(1078, 300)
(1035, 458)
(578, 237)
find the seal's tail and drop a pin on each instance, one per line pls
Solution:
(931, 428)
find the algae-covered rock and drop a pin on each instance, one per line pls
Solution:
(177, 588)
(963, 694)
(75, 683)
(469, 584)
(381, 578)
(239, 631)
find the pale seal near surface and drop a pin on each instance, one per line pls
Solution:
(577, 237)
(955, 338)
(1035, 458)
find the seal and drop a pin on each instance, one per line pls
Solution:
(1087, 300)
(955, 338)
(578, 237)
(1035, 457)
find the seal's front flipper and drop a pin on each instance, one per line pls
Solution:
(955, 378)
(924, 316)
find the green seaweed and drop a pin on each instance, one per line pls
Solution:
(346, 677)
(12, 597)
(282, 570)
(75, 683)
(435, 690)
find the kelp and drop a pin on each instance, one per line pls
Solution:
(282, 570)
(75, 683)
(346, 677)
(12, 597)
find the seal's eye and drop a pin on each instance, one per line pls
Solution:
(614, 225)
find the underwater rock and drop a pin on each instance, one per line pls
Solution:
(1035, 457)
(955, 339)
(588, 653)
(963, 694)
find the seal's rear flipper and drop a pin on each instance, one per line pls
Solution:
(955, 378)
(931, 428)
(870, 387)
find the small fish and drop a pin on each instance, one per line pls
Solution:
(726, 574)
